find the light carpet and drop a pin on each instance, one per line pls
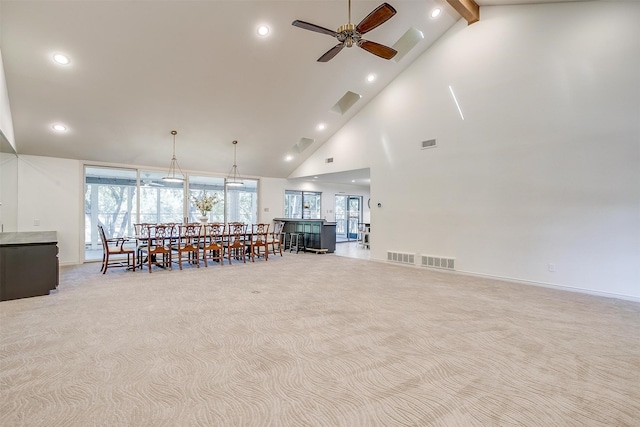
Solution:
(315, 340)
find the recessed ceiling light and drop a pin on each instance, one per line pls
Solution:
(288, 158)
(263, 30)
(436, 12)
(353, 180)
(61, 59)
(371, 77)
(59, 128)
(315, 177)
(322, 126)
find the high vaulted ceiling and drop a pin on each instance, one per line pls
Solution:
(140, 69)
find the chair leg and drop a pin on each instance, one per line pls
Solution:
(129, 265)
(106, 262)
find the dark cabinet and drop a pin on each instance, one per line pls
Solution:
(28, 264)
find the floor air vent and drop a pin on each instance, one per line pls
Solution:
(438, 262)
(401, 257)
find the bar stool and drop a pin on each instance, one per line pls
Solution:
(295, 243)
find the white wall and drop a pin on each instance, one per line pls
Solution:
(544, 168)
(6, 122)
(50, 191)
(8, 192)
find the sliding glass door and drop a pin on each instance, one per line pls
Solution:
(117, 198)
(160, 201)
(242, 202)
(348, 211)
(110, 200)
(355, 215)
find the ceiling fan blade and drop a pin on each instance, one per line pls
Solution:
(314, 27)
(331, 53)
(378, 49)
(378, 17)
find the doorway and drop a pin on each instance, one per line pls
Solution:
(348, 210)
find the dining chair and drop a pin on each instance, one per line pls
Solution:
(235, 242)
(141, 231)
(276, 237)
(158, 249)
(212, 244)
(259, 239)
(115, 246)
(188, 243)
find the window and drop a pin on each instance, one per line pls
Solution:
(302, 204)
(242, 202)
(199, 185)
(292, 204)
(109, 200)
(160, 201)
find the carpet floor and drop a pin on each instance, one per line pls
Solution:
(315, 340)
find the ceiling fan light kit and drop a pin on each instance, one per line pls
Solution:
(350, 34)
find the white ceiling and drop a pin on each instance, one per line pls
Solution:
(140, 69)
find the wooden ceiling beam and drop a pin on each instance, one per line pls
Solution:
(469, 9)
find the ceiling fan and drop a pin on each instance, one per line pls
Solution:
(351, 34)
(147, 182)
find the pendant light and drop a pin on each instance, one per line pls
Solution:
(234, 179)
(172, 176)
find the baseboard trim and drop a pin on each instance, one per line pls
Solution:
(554, 286)
(523, 282)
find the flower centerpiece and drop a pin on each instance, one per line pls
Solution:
(205, 203)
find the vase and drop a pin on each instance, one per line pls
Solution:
(204, 219)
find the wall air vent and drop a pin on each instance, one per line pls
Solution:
(346, 102)
(328, 160)
(401, 257)
(430, 143)
(438, 262)
(408, 41)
